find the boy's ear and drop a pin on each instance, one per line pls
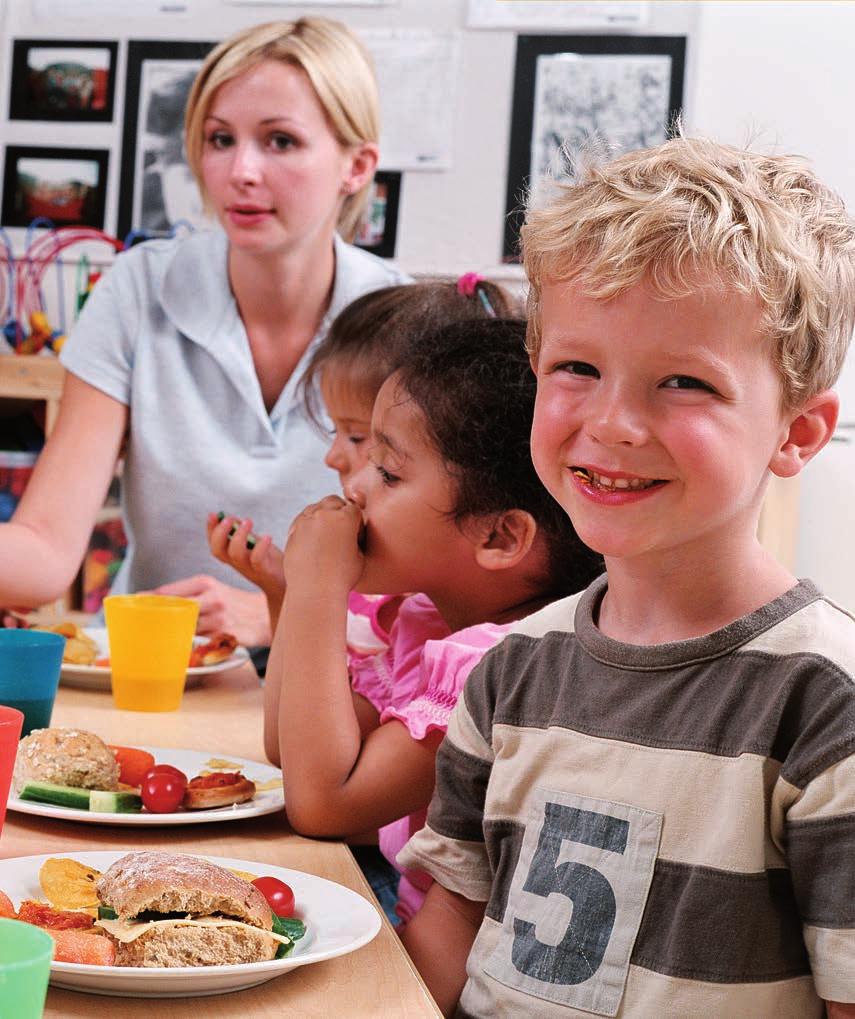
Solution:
(810, 429)
(505, 540)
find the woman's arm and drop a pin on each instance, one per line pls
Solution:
(42, 547)
(439, 938)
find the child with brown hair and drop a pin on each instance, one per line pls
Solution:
(645, 803)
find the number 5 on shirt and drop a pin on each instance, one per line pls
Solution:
(576, 900)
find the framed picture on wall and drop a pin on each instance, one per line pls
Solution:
(379, 226)
(617, 92)
(157, 190)
(67, 186)
(54, 79)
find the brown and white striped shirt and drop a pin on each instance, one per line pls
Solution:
(657, 831)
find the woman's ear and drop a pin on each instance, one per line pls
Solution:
(811, 427)
(362, 164)
(505, 540)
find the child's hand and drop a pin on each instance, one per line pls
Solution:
(261, 565)
(323, 545)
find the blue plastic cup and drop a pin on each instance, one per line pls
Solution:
(30, 663)
(25, 955)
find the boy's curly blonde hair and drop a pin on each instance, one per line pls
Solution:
(690, 209)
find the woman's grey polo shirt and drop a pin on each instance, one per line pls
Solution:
(161, 333)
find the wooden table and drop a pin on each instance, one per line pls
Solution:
(223, 715)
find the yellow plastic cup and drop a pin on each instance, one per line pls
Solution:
(151, 637)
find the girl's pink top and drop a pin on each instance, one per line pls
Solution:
(412, 674)
(445, 664)
(390, 676)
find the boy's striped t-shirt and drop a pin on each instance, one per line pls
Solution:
(657, 831)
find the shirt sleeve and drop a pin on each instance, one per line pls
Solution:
(451, 846)
(444, 669)
(100, 347)
(390, 677)
(819, 835)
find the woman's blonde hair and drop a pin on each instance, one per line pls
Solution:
(337, 65)
(692, 211)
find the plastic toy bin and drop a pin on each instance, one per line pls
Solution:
(15, 471)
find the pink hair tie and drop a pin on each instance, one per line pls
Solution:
(469, 286)
(467, 283)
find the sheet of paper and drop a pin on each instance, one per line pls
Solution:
(557, 14)
(115, 10)
(315, 3)
(417, 73)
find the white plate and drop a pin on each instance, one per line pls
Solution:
(191, 762)
(338, 921)
(97, 677)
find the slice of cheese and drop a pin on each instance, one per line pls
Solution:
(127, 931)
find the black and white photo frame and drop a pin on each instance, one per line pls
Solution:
(65, 80)
(68, 186)
(157, 190)
(619, 91)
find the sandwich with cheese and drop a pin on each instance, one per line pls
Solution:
(164, 909)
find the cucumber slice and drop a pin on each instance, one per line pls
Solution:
(58, 795)
(122, 802)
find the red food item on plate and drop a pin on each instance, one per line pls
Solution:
(166, 769)
(218, 789)
(83, 947)
(219, 647)
(280, 897)
(6, 907)
(215, 780)
(162, 792)
(40, 914)
(133, 764)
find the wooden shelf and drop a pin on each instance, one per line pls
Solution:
(30, 377)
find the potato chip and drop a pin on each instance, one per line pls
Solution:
(68, 884)
(270, 783)
(80, 648)
(218, 764)
(244, 875)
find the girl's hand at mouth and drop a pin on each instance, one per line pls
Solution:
(324, 546)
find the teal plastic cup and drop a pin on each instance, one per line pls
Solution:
(30, 663)
(25, 955)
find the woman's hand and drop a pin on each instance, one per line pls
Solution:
(225, 608)
(261, 565)
(323, 545)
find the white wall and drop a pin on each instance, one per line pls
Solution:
(785, 73)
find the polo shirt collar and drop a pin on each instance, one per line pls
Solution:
(196, 296)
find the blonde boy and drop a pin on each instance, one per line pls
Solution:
(645, 804)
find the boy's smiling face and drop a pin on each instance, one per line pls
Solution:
(657, 421)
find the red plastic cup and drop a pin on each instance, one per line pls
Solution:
(11, 721)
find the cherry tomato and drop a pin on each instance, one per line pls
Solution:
(162, 792)
(166, 769)
(279, 896)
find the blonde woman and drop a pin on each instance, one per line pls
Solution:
(192, 347)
